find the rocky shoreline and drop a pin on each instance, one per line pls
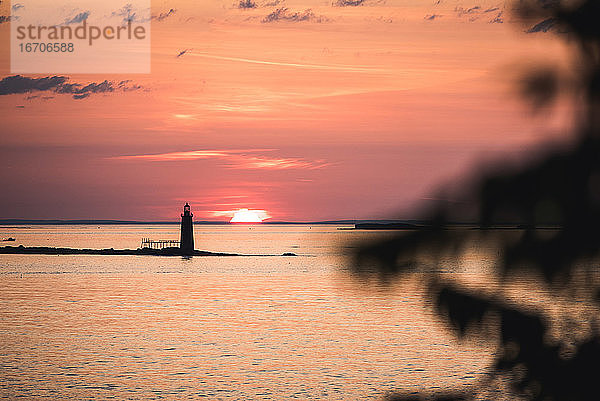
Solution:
(45, 250)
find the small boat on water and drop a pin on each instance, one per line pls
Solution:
(8, 239)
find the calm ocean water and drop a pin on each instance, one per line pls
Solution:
(257, 327)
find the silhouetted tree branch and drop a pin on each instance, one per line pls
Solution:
(555, 204)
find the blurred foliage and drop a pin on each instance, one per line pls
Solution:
(542, 218)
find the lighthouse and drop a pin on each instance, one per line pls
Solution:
(186, 244)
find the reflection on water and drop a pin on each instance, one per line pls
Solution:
(218, 327)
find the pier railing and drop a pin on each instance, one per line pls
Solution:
(159, 244)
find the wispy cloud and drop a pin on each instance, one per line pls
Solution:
(131, 14)
(245, 4)
(80, 17)
(333, 67)
(252, 4)
(467, 11)
(190, 155)
(182, 52)
(431, 17)
(544, 26)
(284, 14)
(164, 15)
(252, 162)
(348, 3)
(498, 19)
(235, 159)
(477, 12)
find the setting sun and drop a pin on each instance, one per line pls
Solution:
(248, 216)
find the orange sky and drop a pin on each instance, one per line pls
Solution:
(333, 113)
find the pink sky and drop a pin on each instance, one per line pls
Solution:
(355, 112)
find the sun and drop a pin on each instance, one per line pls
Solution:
(248, 216)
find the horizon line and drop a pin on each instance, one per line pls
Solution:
(9, 221)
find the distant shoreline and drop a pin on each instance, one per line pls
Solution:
(44, 250)
(32, 222)
(355, 224)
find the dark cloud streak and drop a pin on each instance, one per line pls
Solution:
(477, 12)
(181, 53)
(348, 3)
(498, 19)
(544, 26)
(246, 4)
(283, 14)
(162, 16)
(82, 16)
(17, 84)
(130, 15)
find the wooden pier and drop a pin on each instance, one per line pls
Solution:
(159, 244)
